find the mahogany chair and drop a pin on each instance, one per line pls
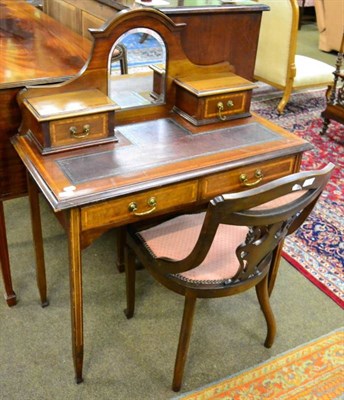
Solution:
(225, 250)
(120, 54)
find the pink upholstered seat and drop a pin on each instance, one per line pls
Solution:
(176, 238)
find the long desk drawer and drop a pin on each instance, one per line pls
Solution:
(246, 177)
(132, 208)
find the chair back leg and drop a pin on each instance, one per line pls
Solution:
(264, 301)
(184, 341)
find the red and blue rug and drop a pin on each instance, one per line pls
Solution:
(317, 248)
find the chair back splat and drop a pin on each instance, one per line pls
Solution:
(225, 250)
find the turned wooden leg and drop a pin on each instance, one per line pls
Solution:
(325, 126)
(264, 301)
(184, 341)
(75, 278)
(10, 296)
(38, 240)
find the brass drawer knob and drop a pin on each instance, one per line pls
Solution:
(152, 203)
(86, 129)
(220, 109)
(258, 174)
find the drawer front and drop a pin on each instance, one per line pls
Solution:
(79, 129)
(132, 208)
(255, 174)
(232, 103)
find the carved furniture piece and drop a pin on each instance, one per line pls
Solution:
(161, 163)
(224, 251)
(335, 94)
(30, 54)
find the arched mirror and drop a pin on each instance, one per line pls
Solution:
(137, 65)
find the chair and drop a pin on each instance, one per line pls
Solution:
(277, 63)
(223, 251)
(120, 54)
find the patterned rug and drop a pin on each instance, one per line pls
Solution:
(311, 371)
(317, 249)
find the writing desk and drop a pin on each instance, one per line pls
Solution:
(35, 50)
(155, 168)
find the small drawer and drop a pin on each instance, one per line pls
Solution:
(132, 208)
(246, 177)
(218, 106)
(79, 129)
(68, 120)
(213, 98)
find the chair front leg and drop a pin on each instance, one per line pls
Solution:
(130, 276)
(184, 341)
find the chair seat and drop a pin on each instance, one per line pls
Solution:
(177, 237)
(311, 72)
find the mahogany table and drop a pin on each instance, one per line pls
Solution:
(35, 49)
(157, 167)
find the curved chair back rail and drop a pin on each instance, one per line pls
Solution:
(225, 250)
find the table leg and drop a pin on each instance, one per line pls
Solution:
(75, 277)
(38, 240)
(10, 296)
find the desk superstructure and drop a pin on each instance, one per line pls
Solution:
(161, 162)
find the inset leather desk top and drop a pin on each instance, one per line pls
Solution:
(152, 154)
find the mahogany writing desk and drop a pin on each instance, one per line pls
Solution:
(35, 49)
(155, 168)
(162, 161)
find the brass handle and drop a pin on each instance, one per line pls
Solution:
(220, 108)
(219, 111)
(85, 131)
(258, 174)
(132, 207)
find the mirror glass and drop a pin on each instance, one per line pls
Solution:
(137, 65)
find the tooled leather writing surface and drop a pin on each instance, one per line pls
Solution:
(159, 142)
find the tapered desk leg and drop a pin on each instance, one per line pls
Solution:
(75, 278)
(38, 240)
(10, 296)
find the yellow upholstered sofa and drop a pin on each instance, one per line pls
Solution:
(330, 21)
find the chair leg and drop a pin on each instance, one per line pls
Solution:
(130, 274)
(184, 341)
(264, 301)
(286, 95)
